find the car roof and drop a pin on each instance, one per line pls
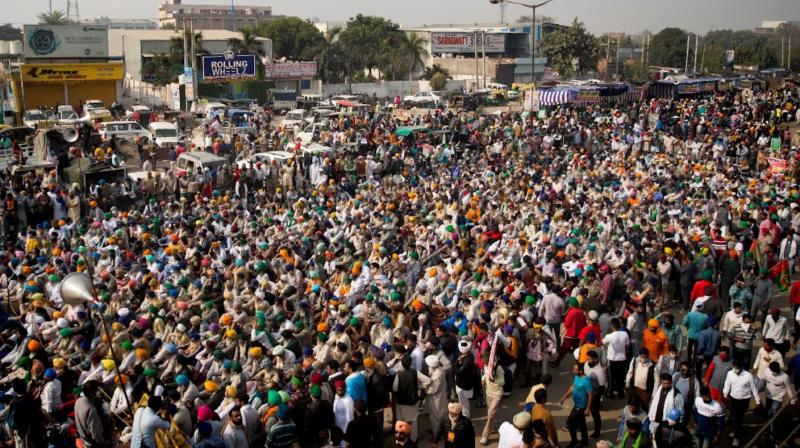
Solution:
(162, 125)
(297, 111)
(118, 122)
(139, 107)
(202, 157)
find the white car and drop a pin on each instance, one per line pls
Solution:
(311, 133)
(299, 117)
(33, 117)
(137, 108)
(164, 134)
(423, 97)
(265, 157)
(91, 105)
(127, 130)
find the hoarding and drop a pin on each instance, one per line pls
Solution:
(227, 66)
(188, 81)
(289, 70)
(71, 72)
(65, 41)
(465, 42)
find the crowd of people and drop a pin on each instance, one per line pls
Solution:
(413, 280)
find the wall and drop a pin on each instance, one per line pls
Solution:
(140, 92)
(387, 88)
(467, 66)
(50, 94)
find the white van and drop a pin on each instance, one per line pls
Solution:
(299, 117)
(188, 162)
(164, 134)
(127, 130)
(282, 157)
(214, 108)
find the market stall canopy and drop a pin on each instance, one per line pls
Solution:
(408, 130)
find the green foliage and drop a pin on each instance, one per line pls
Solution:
(160, 70)
(668, 48)
(8, 32)
(433, 70)
(54, 17)
(249, 44)
(438, 81)
(634, 71)
(293, 38)
(571, 51)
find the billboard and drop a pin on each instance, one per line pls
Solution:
(65, 41)
(227, 66)
(289, 70)
(71, 72)
(188, 80)
(465, 42)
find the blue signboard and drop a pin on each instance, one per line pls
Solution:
(227, 66)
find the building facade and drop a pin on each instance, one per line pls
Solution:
(136, 47)
(213, 17)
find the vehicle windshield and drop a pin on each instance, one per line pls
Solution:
(35, 116)
(166, 132)
(67, 115)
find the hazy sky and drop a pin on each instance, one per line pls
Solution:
(599, 15)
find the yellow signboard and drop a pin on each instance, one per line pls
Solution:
(71, 72)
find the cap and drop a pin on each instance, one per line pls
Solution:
(521, 420)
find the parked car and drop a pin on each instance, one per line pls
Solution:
(164, 134)
(90, 105)
(424, 97)
(126, 130)
(311, 133)
(34, 118)
(188, 162)
(265, 157)
(299, 117)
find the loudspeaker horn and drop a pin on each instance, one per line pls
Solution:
(76, 289)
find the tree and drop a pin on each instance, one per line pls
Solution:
(176, 46)
(54, 17)
(8, 32)
(160, 70)
(330, 58)
(668, 48)
(249, 44)
(368, 42)
(438, 81)
(634, 71)
(572, 51)
(292, 38)
(434, 69)
(540, 18)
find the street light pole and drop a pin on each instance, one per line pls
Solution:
(533, 7)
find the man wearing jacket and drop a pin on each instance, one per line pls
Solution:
(457, 430)
(665, 399)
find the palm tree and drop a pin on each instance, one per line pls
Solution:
(330, 58)
(161, 70)
(53, 18)
(249, 44)
(436, 68)
(416, 49)
(176, 46)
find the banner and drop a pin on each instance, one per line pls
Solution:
(465, 42)
(188, 79)
(775, 143)
(777, 166)
(65, 41)
(587, 96)
(71, 72)
(227, 66)
(289, 70)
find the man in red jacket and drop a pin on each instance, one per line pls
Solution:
(574, 322)
(700, 286)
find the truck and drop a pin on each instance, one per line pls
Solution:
(284, 99)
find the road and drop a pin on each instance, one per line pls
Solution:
(610, 408)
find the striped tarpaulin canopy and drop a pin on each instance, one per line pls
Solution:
(554, 97)
(660, 90)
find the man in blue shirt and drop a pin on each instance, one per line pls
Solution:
(708, 344)
(581, 390)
